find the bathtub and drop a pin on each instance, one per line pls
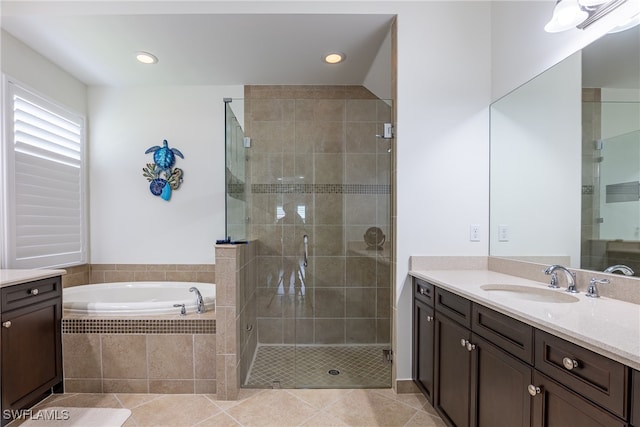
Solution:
(136, 298)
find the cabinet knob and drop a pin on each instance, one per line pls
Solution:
(423, 291)
(470, 347)
(7, 324)
(570, 363)
(34, 291)
(463, 343)
(429, 318)
(533, 390)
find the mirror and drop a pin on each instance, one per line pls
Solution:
(565, 161)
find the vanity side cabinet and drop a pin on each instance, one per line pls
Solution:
(423, 340)
(596, 377)
(31, 343)
(423, 336)
(635, 399)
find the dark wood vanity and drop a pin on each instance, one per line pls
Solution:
(31, 343)
(479, 367)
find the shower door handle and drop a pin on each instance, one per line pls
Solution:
(305, 240)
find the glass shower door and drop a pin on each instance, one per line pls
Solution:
(320, 215)
(235, 177)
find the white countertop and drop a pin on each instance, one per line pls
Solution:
(604, 325)
(15, 277)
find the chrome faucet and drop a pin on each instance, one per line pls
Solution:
(627, 271)
(199, 300)
(592, 290)
(571, 277)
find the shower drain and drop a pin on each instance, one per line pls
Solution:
(333, 372)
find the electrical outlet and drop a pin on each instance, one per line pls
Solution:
(474, 233)
(503, 233)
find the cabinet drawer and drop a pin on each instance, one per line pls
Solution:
(423, 291)
(509, 334)
(456, 307)
(595, 377)
(30, 293)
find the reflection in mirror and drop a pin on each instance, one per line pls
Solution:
(559, 134)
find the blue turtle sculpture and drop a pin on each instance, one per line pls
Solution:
(164, 157)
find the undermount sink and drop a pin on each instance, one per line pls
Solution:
(530, 293)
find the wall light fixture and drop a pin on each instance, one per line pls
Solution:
(568, 14)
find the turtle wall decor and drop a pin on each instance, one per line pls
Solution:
(161, 174)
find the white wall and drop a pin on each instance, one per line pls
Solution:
(378, 79)
(128, 224)
(26, 65)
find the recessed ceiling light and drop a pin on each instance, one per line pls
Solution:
(334, 57)
(146, 58)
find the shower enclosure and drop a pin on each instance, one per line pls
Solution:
(316, 187)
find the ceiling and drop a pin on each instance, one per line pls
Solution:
(203, 49)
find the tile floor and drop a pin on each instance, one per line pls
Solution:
(301, 366)
(296, 407)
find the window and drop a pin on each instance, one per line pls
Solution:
(44, 208)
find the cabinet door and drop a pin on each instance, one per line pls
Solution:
(31, 353)
(500, 387)
(452, 372)
(556, 406)
(423, 337)
(635, 399)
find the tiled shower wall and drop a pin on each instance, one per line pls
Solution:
(317, 169)
(592, 250)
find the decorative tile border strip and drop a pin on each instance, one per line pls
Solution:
(138, 326)
(321, 188)
(235, 188)
(587, 189)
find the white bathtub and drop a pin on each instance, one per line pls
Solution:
(136, 298)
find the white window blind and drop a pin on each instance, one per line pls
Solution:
(44, 198)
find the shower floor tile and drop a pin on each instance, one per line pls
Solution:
(309, 366)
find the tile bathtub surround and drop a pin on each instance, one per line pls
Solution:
(106, 273)
(328, 407)
(102, 356)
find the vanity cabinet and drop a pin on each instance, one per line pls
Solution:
(423, 337)
(491, 370)
(31, 342)
(477, 382)
(635, 399)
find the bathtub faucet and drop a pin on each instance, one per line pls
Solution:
(199, 300)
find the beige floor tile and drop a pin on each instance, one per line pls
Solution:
(323, 419)
(319, 398)
(174, 410)
(272, 408)
(369, 408)
(415, 400)
(131, 400)
(219, 420)
(422, 419)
